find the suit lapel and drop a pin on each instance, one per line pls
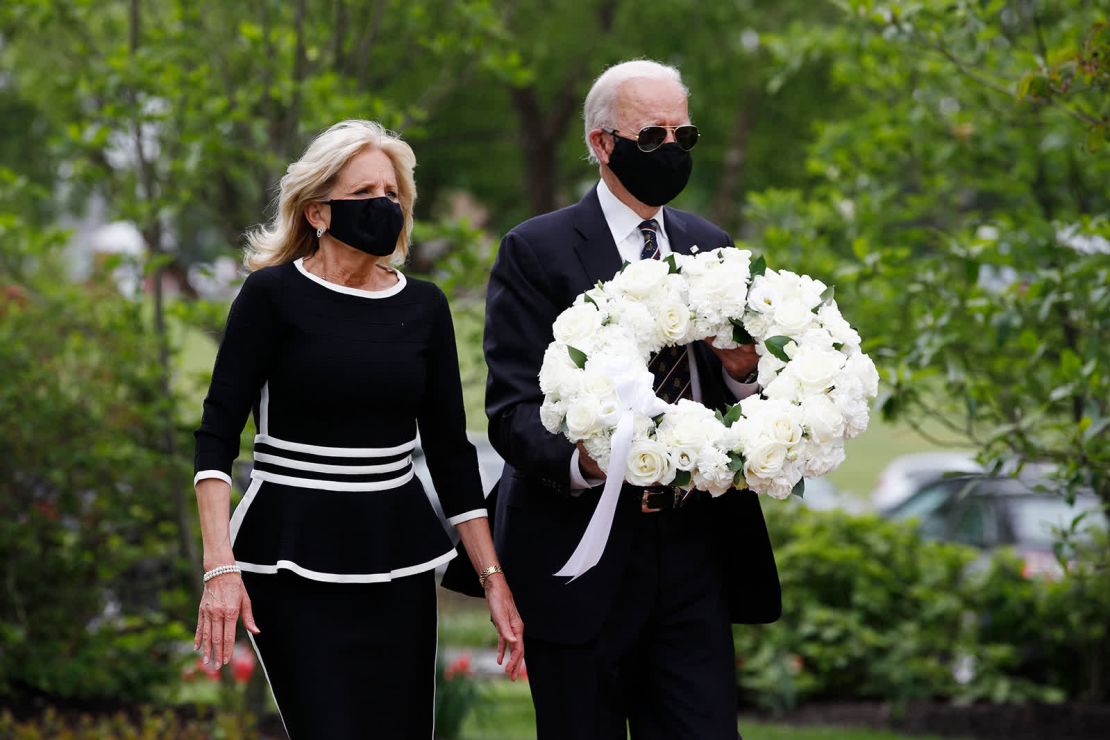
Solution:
(596, 249)
(677, 233)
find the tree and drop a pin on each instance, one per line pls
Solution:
(962, 210)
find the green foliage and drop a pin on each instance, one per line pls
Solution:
(871, 611)
(964, 220)
(87, 553)
(145, 724)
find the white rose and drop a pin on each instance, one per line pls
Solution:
(584, 418)
(552, 414)
(641, 279)
(792, 318)
(577, 326)
(649, 463)
(764, 459)
(785, 429)
(823, 419)
(816, 369)
(673, 321)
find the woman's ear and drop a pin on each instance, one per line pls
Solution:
(314, 212)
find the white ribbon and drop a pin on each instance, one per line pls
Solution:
(633, 385)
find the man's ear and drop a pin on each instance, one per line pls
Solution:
(602, 144)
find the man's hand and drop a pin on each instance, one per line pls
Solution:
(589, 467)
(739, 362)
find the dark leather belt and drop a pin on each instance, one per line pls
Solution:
(663, 498)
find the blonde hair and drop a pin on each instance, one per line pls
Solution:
(289, 236)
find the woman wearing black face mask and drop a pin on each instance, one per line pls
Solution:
(329, 558)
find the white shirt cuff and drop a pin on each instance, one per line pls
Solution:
(740, 390)
(466, 516)
(578, 483)
(211, 474)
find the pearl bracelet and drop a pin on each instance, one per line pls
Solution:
(219, 571)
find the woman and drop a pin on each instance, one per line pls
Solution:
(342, 359)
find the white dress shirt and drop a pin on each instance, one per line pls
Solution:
(624, 224)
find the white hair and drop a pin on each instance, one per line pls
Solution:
(289, 235)
(599, 110)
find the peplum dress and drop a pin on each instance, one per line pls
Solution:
(339, 381)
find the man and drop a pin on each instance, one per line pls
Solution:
(644, 637)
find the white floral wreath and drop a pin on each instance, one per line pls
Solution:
(816, 383)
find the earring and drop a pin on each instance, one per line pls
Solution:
(319, 232)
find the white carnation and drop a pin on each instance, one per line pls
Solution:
(551, 415)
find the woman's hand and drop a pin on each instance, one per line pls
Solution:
(223, 601)
(510, 628)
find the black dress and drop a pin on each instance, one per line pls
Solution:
(335, 535)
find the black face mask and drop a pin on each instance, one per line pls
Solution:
(654, 177)
(368, 224)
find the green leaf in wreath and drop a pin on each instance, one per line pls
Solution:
(838, 346)
(732, 416)
(738, 479)
(759, 266)
(657, 420)
(673, 263)
(588, 299)
(828, 293)
(577, 356)
(682, 478)
(720, 418)
(735, 461)
(777, 347)
(740, 335)
(625, 264)
(799, 489)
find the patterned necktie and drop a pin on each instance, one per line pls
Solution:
(670, 365)
(650, 230)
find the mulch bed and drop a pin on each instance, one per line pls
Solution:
(1071, 721)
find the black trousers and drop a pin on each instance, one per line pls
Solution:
(348, 660)
(663, 665)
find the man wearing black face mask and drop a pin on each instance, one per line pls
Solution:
(642, 640)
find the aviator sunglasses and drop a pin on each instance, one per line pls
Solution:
(651, 138)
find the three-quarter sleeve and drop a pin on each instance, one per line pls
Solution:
(452, 459)
(239, 373)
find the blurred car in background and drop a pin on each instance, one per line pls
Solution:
(821, 494)
(908, 473)
(989, 512)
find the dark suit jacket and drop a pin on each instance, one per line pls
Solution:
(542, 265)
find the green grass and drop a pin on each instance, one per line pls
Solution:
(505, 713)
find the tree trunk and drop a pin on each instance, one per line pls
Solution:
(724, 209)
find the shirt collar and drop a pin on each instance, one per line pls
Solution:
(622, 220)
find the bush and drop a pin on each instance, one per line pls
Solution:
(869, 611)
(872, 611)
(88, 537)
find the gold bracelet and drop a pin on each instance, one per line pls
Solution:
(489, 572)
